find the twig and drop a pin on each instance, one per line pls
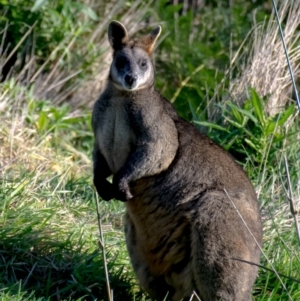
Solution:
(20, 42)
(102, 247)
(270, 263)
(287, 56)
(67, 48)
(54, 85)
(290, 198)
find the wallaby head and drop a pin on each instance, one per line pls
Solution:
(132, 68)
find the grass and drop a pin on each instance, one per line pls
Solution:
(264, 54)
(48, 222)
(49, 240)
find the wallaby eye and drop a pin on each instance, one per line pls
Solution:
(121, 62)
(143, 63)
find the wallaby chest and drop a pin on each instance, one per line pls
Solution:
(114, 135)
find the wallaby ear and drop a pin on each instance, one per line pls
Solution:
(150, 39)
(117, 35)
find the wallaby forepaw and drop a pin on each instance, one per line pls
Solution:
(128, 194)
(123, 196)
(123, 190)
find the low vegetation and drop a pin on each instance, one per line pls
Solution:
(54, 59)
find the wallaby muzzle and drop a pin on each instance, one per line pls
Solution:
(131, 80)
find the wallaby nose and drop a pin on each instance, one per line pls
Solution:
(130, 79)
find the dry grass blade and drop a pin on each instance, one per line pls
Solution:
(102, 247)
(267, 269)
(20, 42)
(293, 208)
(287, 55)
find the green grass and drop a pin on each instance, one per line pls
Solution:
(49, 239)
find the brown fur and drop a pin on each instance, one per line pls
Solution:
(182, 231)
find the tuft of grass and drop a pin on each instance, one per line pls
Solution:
(49, 241)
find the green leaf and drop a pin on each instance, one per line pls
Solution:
(91, 13)
(245, 112)
(286, 114)
(270, 127)
(31, 105)
(211, 125)
(42, 121)
(38, 4)
(258, 106)
(234, 123)
(251, 144)
(250, 134)
(229, 143)
(236, 114)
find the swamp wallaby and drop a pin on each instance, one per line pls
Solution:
(184, 194)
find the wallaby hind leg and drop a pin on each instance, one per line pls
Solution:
(218, 236)
(155, 286)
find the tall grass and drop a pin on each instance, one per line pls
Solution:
(262, 64)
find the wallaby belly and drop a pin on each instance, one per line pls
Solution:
(114, 136)
(156, 253)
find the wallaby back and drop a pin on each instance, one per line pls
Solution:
(182, 191)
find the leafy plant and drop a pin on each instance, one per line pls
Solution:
(194, 56)
(60, 122)
(49, 31)
(248, 132)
